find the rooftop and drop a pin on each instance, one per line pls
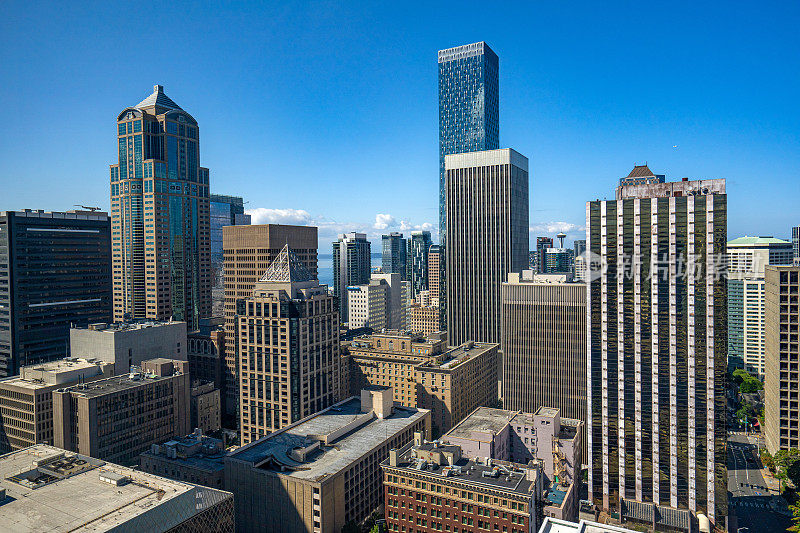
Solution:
(554, 525)
(158, 98)
(51, 490)
(112, 327)
(484, 419)
(481, 473)
(759, 241)
(349, 434)
(55, 373)
(197, 451)
(287, 268)
(114, 384)
(641, 171)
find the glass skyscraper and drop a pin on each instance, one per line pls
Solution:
(225, 211)
(468, 107)
(393, 254)
(420, 243)
(160, 215)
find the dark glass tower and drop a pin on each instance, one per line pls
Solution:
(55, 270)
(393, 254)
(468, 107)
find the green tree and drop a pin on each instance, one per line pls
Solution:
(745, 412)
(767, 460)
(786, 458)
(795, 527)
(739, 375)
(750, 384)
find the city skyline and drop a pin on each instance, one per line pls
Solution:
(581, 120)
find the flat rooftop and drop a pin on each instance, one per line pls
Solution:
(62, 494)
(114, 384)
(53, 373)
(203, 459)
(273, 451)
(554, 525)
(112, 327)
(483, 419)
(499, 475)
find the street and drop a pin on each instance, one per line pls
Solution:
(748, 495)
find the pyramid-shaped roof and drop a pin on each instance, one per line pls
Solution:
(287, 268)
(158, 99)
(641, 171)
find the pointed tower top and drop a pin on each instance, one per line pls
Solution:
(158, 99)
(287, 268)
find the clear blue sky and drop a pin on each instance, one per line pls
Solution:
(327, 113)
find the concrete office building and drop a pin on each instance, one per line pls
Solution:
(487, 198)
(425, 373)
(55, 270)
(205, 406)
(26, 401)
(160, 209)
(368, 305)
(419, 243)
(656, 353)
(782, 379)
(747, 258)
(321, 472)
(378, 304)
(423, 319)
(435, 267)
(50, 489)
(224, 211)
(195, 458)
(288, 348)
(544, 345)
(128, 344)
(393, 254)
(431, 487)
(249, 251)
(544, 437)
(469, 108)
(117, 418)
(352, 264)
(206, 354)
(796, 244)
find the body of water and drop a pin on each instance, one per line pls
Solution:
(325, 267)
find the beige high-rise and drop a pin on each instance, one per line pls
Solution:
(544, 345)
(782, 379)
(288, 348)
(248, 252)
(160, 215)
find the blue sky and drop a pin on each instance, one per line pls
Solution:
(327, 114)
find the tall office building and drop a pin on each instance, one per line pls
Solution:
(544, 345)
(487, 238)
(224, 211)
(55, 270)
(579, 247)
(656, 347)
(288, 348)
(542, 245)
(393, 254)
(796, 244)
(782, 383)
(435, 267)
(368, 305)
(352, 264)
(249, 251)
(747, 258)
(420, 243)
(159, 215)
(469, 107)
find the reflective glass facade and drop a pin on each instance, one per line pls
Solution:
(468, 106)
(657, 343)
(160, 215)
(224, 211)
(393, 254)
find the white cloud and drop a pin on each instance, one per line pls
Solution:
(329, 230)
(384, 221)
(548, 228)
(263, 215)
